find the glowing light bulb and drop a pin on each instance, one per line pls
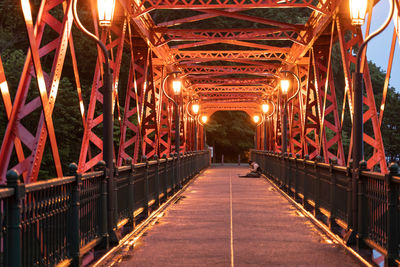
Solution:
(265, 108)
(204, 119)
(176, 86)
(358, 9)
(105, 10)
(195, 108)
(285, 86)
(256, 118)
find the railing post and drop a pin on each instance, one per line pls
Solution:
(289, 174)
(332, 191)
(173, 168)
(296, 177)
(349, 194)
(146, 186)
(305, 177)
(74, 224)
(165, 178)
(131, 193)
(391, 228)
(14, 248)
(104, 209)
(361, 207)
(317, 186)
(157, 181)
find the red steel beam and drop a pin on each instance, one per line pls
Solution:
(275, 54)
(230, 34)
(217, 88)
(148, 5)
(256, 70)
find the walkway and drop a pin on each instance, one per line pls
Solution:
(224, 220)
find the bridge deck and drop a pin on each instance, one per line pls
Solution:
(224, 220)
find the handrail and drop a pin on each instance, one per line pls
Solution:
(327, 188)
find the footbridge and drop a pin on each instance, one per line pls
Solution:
(108, 105)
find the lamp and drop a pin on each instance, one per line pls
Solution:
(256, 118)
(285, 86)
(204, 119)
(176, 86)
(265, 108)
(358, 9)
(106, 12)
(195, 108)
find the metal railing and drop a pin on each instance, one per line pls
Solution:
(59, 220)
(327, 190)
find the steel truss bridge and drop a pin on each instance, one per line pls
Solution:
(224, 68)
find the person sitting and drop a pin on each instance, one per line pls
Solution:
(255, 170)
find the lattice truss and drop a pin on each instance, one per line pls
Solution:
(227, 66)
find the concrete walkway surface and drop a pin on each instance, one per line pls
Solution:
(224, 220)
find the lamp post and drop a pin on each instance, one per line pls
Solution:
(195, 109)
(265, 108)
(285, 88)
(105, 12)
(357, 15)
(257, 120)
(176, 87)
(203, 120)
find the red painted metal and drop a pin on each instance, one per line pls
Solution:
(146, 6)
(218, 35)
(149, 111)
(130, 131)
(295, 115)
(47, 85)
(373, 139)
(330, 124)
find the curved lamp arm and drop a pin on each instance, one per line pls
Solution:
(273, 111)
(369, 38)
(163, 87)
(91, 35)
(187, 109)
(199, 121)
(261, 121)
(298, 86)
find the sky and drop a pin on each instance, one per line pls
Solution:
(378, 49)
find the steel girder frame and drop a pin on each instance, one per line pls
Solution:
(16, 133)
(296, 114)
(114, 39)
(331, 134)
(311, 127)
(146, 6)
(321, 114)
(149, 114)
(131, 125)
(370, 114)
(164, 122)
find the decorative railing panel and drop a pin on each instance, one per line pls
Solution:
(59, 220)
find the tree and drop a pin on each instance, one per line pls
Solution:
(231, 133)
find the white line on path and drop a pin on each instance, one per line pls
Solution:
(230, 200)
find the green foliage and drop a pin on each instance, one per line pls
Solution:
(230, 133)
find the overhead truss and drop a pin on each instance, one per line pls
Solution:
(224, 68)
